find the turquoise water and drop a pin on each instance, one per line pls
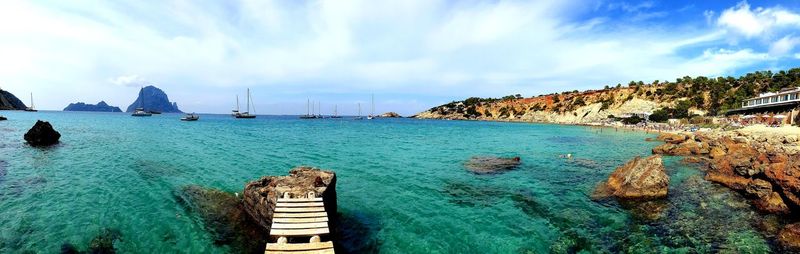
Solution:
(402, 187)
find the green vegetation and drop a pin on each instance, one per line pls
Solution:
(715, 95)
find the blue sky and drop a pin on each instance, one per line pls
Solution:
(412, 54)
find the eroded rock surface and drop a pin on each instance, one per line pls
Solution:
(261, 195)
(638, 179)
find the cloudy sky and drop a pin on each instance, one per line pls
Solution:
(411, 54)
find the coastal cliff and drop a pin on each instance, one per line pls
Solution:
(101, 106)
(679, 99)
(154, 100)
(10, 102)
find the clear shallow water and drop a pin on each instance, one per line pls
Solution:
(402, 186)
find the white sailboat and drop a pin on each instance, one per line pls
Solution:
(247, 114)
(31, 108)
(372, 111)
(336, 112)
(359, 117)
(140, 110)
(235, 112)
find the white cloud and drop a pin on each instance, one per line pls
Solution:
(759, 21)
(783, 46)
(129, 81)
(209, 51)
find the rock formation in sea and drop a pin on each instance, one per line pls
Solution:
(391, 115)
(222, 215)
(491, 165)
(10, 102)
(42, 134)
(3, 118)
(101, 106)
(154, 100)
(261, 195)
(638, 179)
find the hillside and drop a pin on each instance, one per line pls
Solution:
(666, 99)
(10, 102)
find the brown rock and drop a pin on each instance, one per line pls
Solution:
(772, 204)
(789, 237)
(261, 195)
(716, 152)
(637, 179)
(728, 180)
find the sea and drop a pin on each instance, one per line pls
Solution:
(402, 186)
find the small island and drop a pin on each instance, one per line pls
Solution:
(101, 106)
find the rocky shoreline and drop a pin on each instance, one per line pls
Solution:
(763, 164)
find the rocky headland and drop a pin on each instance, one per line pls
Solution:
(101, 106)
(154, 100)
(391, 115)
(10, 102)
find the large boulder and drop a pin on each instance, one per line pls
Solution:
(637, 179)
(42, 134)
(491, 165)
(261, 195)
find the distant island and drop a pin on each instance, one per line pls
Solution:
(101, 106)
(155, 100)
(10, 102)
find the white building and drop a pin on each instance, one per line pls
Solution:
(770, 99)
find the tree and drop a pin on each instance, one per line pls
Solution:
(660, 116)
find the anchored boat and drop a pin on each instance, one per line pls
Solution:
(191, 117)
(140, 110)
(245, 114)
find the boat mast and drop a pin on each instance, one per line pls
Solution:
(359, 109)
(335, 110)
(372, 112)
(248, 100)
(313, 108)
(237, 103)
(32, 101)
(308, 106)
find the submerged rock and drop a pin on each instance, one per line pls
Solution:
(637, 179)
(3, 118)
(104, 242)
(223, 215)
(491, 165)
(42, 134)
(261, 195)
(391, 115)
(465, 194)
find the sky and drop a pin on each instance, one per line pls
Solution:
(411, 54)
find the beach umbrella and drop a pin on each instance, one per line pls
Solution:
(748, 116)
(779, 116)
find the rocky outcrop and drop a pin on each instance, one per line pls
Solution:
(3, 118)
(789, 238)
(391, 115)
(101, 106)
(765, 168)
(261, 195)
(153, 99)
(638, 179)
(10, 102)
(491, 165)
(42, 134)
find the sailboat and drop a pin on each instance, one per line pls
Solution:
(247, 114)
(336, 112)
(372, 112)
(235, 112)
(359, 117)
(308, 114)
(140, 110)
(31, 108)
